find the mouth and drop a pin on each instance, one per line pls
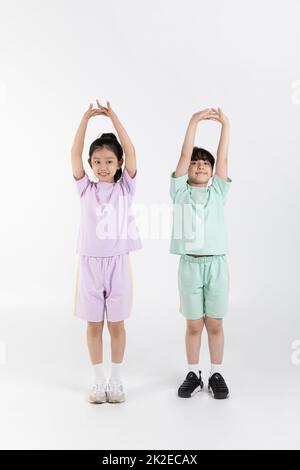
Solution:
(201, 173)
(103, 174)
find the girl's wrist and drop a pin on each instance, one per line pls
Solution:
(85, 119)
(194, 120)
(114, 117)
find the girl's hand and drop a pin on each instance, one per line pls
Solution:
(218, 115)
(91, 112)
(201, 115)
(107, 111)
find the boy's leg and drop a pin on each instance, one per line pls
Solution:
(216, 383)
(214, 327)
(193, 382)
(216, 304)
(194, 330)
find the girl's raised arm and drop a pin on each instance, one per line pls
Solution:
(189, 141)
(127, 145)
(77, 147)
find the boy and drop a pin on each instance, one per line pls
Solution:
(199, 237)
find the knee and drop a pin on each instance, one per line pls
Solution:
(116, 329)
(94, 329)
(214, 329)
(194, 330)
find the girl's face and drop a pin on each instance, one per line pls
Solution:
(104, 164)
(199, 173)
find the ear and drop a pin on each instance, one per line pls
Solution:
(120, 162)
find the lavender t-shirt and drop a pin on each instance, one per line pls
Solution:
(107, 225)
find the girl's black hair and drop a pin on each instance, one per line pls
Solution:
(110, 141)
(203, 154)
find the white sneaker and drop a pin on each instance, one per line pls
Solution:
(115, 392)
(98, 393)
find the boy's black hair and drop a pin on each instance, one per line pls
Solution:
(202, 154)
(110, 141)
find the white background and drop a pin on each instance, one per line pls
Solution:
(157, 63)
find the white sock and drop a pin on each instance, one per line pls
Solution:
(115, 375)
(216, 368)
(194, 368)
(99, 376)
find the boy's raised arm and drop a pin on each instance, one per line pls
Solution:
(189, 141)
(222, 152)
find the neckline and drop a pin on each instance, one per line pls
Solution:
(98, 183)
(198, 189)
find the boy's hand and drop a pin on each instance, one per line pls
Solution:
(218, 115)
(201, 115)
(107, 111)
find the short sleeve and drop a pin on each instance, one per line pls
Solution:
(177, 183)
(82, 184)
(221, 186)
(128, 182)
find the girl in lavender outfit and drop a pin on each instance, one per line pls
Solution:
(107, 234)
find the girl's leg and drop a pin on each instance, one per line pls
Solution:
(118, 340)
(193, 340)
(214, 327)
(94, 340)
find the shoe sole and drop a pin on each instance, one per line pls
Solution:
(116, 400)
(197, 389)
(97, 402)
(220, 397)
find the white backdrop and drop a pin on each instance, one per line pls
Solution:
(157, 63)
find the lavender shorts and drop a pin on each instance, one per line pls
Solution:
(103, 288)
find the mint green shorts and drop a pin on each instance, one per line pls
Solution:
(203, 286)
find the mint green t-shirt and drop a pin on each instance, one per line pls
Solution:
(198, 216)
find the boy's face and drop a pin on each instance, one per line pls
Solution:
(104, 164)
(199, 173)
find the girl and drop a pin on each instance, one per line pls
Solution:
(106, 236)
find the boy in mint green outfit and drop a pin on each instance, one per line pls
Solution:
(199, 237)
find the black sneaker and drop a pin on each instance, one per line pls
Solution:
(191, 385)
(217, 386)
